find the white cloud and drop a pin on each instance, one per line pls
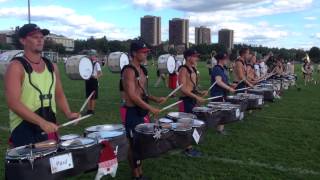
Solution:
(66, 21)
(309, 26)
(2, 1)
(311, 18)
(317, 35)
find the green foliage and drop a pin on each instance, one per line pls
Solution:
(314, 54)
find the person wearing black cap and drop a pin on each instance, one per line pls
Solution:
(191, 96)
(240, 72)
(33, 89)
(219, 75)
(134, 82)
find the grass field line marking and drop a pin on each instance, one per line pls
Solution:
(263, 165)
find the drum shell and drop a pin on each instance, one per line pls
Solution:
(268, 94)
(228, 116)
(146, 146)
(5, 59)
(163, 63)
(254, 103)
(114, 61)
(211, 118)
(121, 144)
(182, 139)
(243, 102)
(72, 68)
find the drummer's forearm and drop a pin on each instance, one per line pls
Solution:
(140, 102)
(188, 93)
(153, 98)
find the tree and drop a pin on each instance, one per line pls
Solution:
(314, 54)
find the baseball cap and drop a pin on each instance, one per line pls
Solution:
(138, 46)
(190, 52)
(29, 29)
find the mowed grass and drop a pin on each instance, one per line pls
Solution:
(281, 141)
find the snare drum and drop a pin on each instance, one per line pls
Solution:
(26, 153)
(116, 61)
(210, 116)
(229, 112)
(78, 143)
(178, 115)
(5, 59)
(243, 102)
(267, 93)
(196, 124)
(79, 67)
(166, 64)
(117, 139)
(147, 145)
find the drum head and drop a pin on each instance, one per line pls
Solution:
(124, 60)
(181, 127)
(85, 68)
(179, 115)
(193, 122)
(20, 153)
(69, 137)
(148, 128)
(77, 143)
(105, 134)
(201, 109)
(171, 64)
(105, 127)
(165, 120)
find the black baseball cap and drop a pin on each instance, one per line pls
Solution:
(29, 29)
(221, 56)
(190, 52)
(138, 46)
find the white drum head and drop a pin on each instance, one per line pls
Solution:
(171, 64)
(85, 68)
(124, 60)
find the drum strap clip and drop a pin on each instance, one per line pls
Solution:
(45, 96)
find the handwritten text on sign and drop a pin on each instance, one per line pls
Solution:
(61, 163)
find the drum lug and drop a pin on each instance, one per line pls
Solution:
(31, 158)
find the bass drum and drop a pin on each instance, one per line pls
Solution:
(116, 61)
(180, 61)
(79, 67)
(5, 59)
(166, 64)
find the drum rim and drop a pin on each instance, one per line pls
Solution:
(94, 134)
(67, 135)
(88, 129)
(175, 117)
(163, 131)
(78, 146)
(36, 155)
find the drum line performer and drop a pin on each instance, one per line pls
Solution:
(220, 76)
(191, 96)
(134, 82)
(33, 89)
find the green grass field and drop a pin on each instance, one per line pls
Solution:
(281, 141)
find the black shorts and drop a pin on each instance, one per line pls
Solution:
(132, 119)
(187, 105)
(92, 85)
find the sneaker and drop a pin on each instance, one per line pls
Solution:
(192, 152)
(223, 132)
(90, 112)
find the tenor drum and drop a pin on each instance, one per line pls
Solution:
(104, 127)
(178, 115)
(210, 116)
(117, 139)
(79, 67)
(166, 64)
(267, 93)
(243, 102)
(116, 61)
(5, 59)
(196, 124)
(229, 112)
(255, 101)
(69, 137)
(78, 143)
(150, 141)
(182, 135)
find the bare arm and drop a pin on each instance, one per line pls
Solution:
(13, 80)
(241, 74)
(222, 84)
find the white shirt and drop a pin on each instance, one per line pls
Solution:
(257, 70)
(96, 68)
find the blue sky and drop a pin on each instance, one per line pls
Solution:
(273, 23)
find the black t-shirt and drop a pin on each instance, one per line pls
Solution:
(219, 71)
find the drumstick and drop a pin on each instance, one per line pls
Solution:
(75, 120)
(86, 101)
(72, 122)
(174, 91)
(212, 86)
(243, 89)
(214, 97)
(170, 106)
